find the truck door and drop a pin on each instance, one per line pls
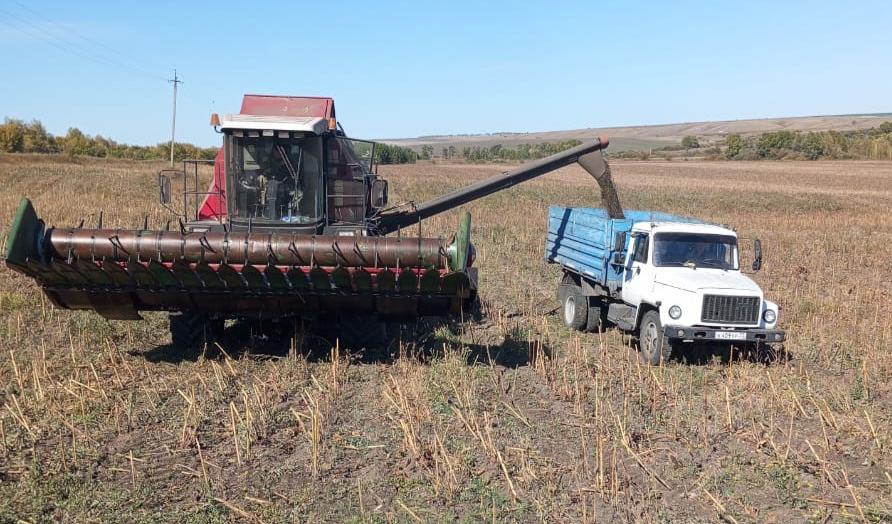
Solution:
(638, 277)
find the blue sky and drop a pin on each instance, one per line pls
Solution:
(417, 68)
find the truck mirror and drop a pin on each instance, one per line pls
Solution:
(379, 193)
(757, 258)
(164, 188)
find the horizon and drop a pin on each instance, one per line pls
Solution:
(491, 133)
(103, 69)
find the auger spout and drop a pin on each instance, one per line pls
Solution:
(587, 155)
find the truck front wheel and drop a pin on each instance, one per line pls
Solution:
(575, 308)
(654, 347)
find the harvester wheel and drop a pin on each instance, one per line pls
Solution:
(575, 308)
(193, 331)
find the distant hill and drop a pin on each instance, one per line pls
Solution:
(642, 138)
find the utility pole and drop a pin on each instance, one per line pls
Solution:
(173, 122)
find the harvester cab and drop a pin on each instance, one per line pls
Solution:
(295, 223)
(286, 165)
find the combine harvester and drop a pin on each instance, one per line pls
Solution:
(295, 224)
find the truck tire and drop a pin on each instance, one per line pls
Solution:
(190, 332)
(574, 308)
(596, 322)
(654, 347)
(564, 287)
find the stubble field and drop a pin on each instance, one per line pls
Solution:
(506, 417)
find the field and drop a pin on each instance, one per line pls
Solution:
(508, 417)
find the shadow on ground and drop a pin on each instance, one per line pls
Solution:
(423, 340)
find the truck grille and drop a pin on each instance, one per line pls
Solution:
(730, 310)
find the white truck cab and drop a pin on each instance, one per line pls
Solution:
(689, 276)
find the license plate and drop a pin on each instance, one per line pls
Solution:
(730, 335)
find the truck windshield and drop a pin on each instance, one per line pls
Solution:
(695, 250)
(276, 179)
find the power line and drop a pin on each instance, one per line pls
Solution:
(76, 34)
(42, 34)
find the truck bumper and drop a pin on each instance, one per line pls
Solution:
(765, 336)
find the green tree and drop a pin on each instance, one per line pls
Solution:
(690, 142)
(811, 145)
(76, 142)
(37, 140)
(734, 145)
(12, 136)
(770, 145)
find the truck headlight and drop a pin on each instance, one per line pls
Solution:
(769, 315)
(675, 312)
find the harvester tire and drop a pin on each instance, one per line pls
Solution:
(193, 331)
(574, 308)
(654, 347)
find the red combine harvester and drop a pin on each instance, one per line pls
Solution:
(294, 224)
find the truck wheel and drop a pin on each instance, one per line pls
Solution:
(654, 347)
(597, 318)
(192, 331)
(575, 308)
(564, 287)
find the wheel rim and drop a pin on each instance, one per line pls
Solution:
(569, 310)
(650, 338)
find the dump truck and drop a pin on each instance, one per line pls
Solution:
(666, 279)
(294, 223)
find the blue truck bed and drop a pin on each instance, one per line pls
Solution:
(582, 239)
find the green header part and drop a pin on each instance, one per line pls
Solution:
(459, 261)
(21, 244)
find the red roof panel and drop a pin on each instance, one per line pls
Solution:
(269, 105)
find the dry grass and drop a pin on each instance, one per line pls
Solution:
(511, 418)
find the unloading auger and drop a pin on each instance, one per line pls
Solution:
(293, 224)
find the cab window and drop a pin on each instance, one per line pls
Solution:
(641, 247)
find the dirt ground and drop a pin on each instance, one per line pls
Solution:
(508, 417)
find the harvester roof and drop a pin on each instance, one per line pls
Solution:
(285, 106)
(282, 113)
(309, 124)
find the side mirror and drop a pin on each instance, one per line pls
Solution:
(619, 258)
(379, 193)
(757, 258)
(164, 188)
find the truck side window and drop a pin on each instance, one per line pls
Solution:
(641, 245)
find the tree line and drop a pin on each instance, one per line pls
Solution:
(391, 154)
(17, 136)
(498, 152)
(871, 144)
